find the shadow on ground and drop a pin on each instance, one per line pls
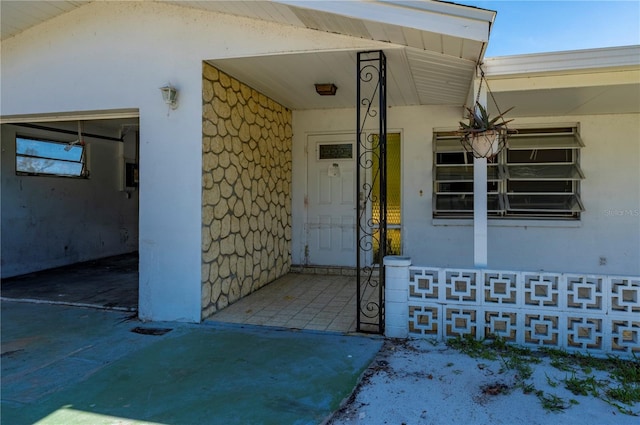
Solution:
(71, 365)
(109, 283)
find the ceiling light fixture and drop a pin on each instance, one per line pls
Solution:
(326, 89)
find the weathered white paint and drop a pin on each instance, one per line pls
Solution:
(609, 229)
(54, 221)
(396, 296)
(115, 55)
(480, 222)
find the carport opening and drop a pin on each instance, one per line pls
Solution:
(70, 210)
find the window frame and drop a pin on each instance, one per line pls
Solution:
(55, 144)
(505, 203)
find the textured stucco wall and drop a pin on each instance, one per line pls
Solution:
(246, 190)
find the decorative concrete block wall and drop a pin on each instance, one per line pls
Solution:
(598, 314)
(246, 190)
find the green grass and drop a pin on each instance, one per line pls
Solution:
(582, 386)
(620, 389)
(472, 347)
(552, 402)
(551, 382)
(625, 393)
(521, 365)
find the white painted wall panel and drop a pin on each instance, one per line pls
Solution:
(609, 228)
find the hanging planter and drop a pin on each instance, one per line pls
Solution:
(482, 135)
(484, 145)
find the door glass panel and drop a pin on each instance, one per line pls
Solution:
(394, 200)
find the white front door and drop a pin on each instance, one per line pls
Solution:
(331, 200)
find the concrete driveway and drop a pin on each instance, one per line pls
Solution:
(70, 365)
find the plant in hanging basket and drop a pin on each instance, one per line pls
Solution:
(482, 135)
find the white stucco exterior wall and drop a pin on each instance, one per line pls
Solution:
(115, 55)
(610, 227)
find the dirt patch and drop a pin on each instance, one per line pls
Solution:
(424, 382)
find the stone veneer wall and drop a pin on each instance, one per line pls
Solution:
(246, 190)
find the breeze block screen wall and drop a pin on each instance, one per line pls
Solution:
(597, 314)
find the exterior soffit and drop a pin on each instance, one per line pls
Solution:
(416, 24)
(17, 16)
(406, 15)
(585, 82)
(595, 100)
(565, 80)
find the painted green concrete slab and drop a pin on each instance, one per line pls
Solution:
(195, 374)
(45, 347)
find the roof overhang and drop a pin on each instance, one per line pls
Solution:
(432, 46)
(583, 82)
(432, 49)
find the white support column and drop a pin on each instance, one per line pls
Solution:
(396, 296)
(480, 240)
(480, 212)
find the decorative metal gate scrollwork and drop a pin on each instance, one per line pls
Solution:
(371, 176)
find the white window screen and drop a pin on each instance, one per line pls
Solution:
(537, 176)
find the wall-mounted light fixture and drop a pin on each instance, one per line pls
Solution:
(170, 96)
(326, 89)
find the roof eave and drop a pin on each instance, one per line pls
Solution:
(573, 60)
(438, 17)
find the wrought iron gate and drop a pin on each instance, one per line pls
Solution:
(371, 177)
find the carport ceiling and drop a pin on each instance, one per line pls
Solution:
(413, 77)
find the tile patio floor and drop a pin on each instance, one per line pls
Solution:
(298, 301)
(319, 299)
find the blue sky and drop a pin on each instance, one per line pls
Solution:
(525, 26)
